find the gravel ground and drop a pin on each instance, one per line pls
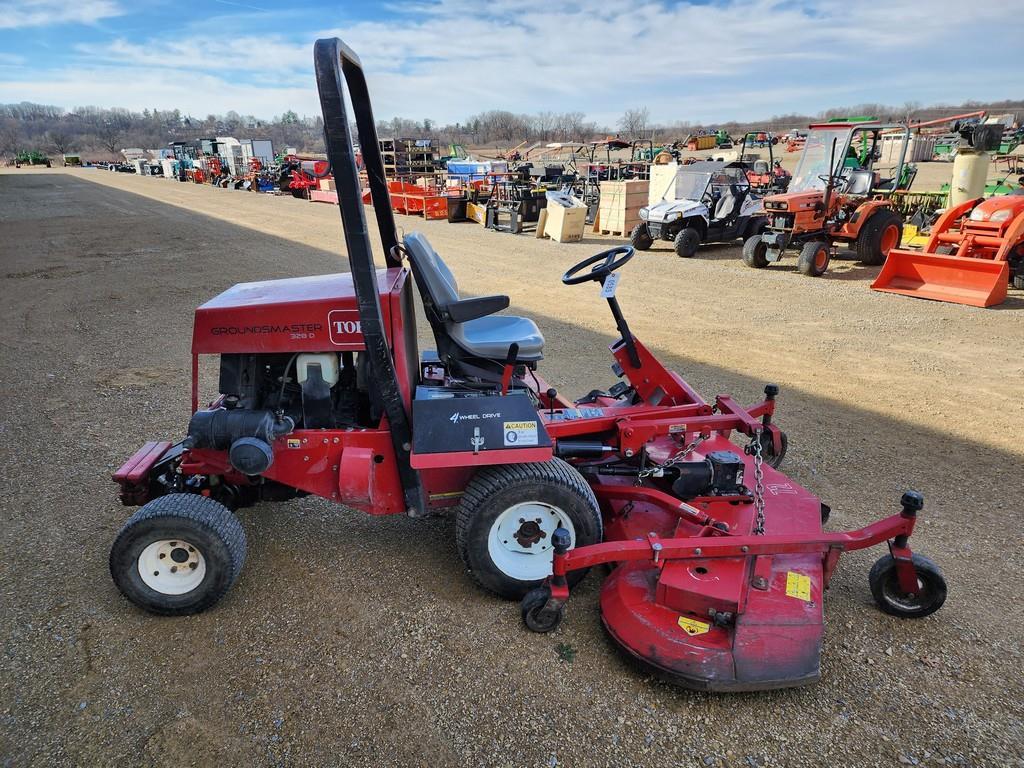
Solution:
(350, 640)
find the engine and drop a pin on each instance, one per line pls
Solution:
(267, 396)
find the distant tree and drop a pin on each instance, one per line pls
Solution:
(289, 118)
(634, 122)
(59, 140)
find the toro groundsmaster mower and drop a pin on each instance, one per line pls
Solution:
(835, 196)
(721, 561)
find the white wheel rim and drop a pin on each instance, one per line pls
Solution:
(172, 566)
(519, 542)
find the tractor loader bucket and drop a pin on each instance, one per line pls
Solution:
(956, 279)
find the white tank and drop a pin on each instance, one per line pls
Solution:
(330, 369)
(970, 170)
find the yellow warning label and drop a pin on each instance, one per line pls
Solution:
(798, 586)
(692, 626)
(294, 442)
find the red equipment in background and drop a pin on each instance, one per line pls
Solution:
(322, 390)
(975, 251)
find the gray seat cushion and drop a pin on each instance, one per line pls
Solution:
(485, 337)
(490, 337)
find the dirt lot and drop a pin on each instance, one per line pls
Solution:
(355, 641)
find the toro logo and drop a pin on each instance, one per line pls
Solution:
(344, 326)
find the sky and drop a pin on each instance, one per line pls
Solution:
(703, 61)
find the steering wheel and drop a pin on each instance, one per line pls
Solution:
(601, 265)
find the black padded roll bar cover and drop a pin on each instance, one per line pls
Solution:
(338, 67)
(331, 81)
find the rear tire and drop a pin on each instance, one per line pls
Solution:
(755, 252)
(640, 238)
(814, 258)
(879, 235)
(179, 554)
(687, 242)
(505, 549)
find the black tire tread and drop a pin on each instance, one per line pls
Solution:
(750, 253)
(490, 480)
(199, 509)
(879, 572)
(640, 238)
(869, 235)
(805, 263)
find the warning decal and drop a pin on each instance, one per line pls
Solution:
(692, 626)
(798, 586)
(520, 433)
(294, 442)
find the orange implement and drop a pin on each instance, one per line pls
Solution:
(967, 258)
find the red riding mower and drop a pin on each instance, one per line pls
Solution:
(721, 561)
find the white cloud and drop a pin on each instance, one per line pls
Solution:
(446, 60)
(38, 13)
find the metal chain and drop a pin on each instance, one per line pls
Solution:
(758, 484)
(657, 469)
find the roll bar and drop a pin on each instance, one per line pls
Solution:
(338, 67)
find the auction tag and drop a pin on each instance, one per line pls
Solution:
(798, 586)
(610, 284)
(520, 433)
(692, 626)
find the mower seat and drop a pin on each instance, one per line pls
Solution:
(468, 328)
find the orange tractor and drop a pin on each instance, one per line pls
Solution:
(836, 195)
(976, 249)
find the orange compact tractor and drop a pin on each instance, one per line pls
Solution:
(975, 250)
(835, 196)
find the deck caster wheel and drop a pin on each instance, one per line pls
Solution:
(885, 588)
(177, 555)
(535, 617)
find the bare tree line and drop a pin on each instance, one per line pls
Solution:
(99, 132)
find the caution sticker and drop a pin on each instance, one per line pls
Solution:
(798, 586)
(520, 433)
(294, 442)
(693, 626)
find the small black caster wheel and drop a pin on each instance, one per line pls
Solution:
(885, 588)
(535, 617)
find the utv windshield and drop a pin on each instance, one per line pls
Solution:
(691, 185)
(815, 159)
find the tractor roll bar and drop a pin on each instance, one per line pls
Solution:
(337, 66)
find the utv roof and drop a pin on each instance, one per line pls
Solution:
(710, 166)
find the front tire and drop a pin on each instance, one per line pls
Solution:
(687, 242)
(885, 588)
(640, 238)
(879, 235)
(814, 258)
(508, 513)
(178, 555)
(755, 252)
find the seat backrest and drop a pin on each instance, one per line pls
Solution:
(430, 271)
(860, 182)
(726, 203)
(761, 167)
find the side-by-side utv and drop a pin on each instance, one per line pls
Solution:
(720, 560)
(706, 202)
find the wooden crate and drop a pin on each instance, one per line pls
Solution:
(565, 225)
(621, 201)
(662, 182)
